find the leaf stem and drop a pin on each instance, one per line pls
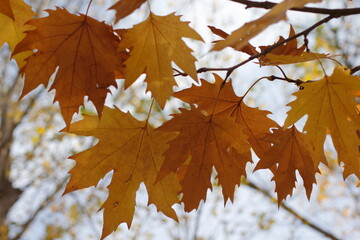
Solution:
(151, 106)
(88, 7)
(250, 89)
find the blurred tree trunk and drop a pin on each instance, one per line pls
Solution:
(8, 196)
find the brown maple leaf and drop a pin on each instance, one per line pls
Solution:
(248, 48)
(203, 142)
(240, 37)
(289, 153)
(83, 49)
(6, 9)
(288, 53)
(154, 44)
(133, 150)
(220, 100)
(330, 106)
(124, 8)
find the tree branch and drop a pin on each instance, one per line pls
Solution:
(272, 47)
(355, 69)
(269, 5)
(292, 211)
(47, 201)
(267, 50)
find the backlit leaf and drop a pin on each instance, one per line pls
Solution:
(221, 101)
(6, 9)
(155, 44)
(289, 153)
(124, 8)
(83, 49)
(331, 108)
(288, 53)
(133, 151)
(240, 37)
(203, 142)
(12, 29)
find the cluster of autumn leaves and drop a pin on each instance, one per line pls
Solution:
(218, 130)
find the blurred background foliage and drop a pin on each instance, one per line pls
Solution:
(33, 154)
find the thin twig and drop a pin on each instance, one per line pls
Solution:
(286, 79)
(276, 45)
(292, 211)
(269, 5)
(49, 199)
(267, 50)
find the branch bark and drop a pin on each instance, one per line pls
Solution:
(267, 50)
(294, 213)
(47, 201)
(269, 5)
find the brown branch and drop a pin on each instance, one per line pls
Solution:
(269, 5)
(292, 211)
(267, 50)
(286, 79)
(47, 201)
(355, 69)
(272, 47)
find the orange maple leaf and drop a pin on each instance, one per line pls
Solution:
(124, 8)
(240, 37)
(331, 108)
(155, 44)
(289, 152)
(221, 101)
(133, 150)
(203, 142)
(288, 53)
(84, 49)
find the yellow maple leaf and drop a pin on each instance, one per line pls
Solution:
(291, 59)
(155, 44)
(331, 107)
(12, 29)
(221, 101)
(240, 37)
(124, 8)
(289, 153)
(84, 49)
(204, 142)
(288, 53)
(133, 150)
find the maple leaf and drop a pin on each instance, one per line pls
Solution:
(224, 103)
(12, 29)
(124, 8)
(248, 48)
(83, 48)
(204, 142)
(331, 107)
(133, 150)
(288, 53)
(240, 37)
(6, 9)
(289, 152)
(155, 44)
